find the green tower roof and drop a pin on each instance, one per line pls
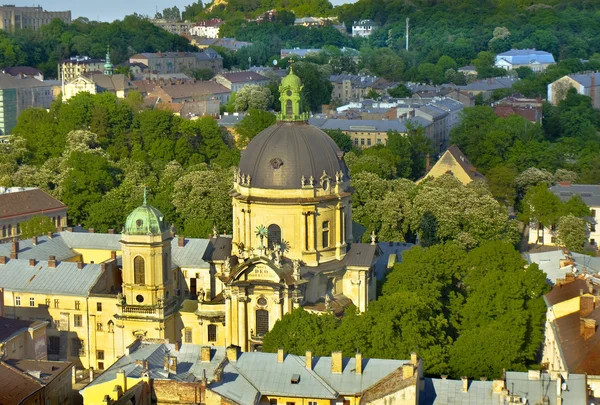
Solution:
(290, 91)
(145, 220)
(291, 80)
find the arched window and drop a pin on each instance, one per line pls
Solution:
(4, 231)
(289, 110)
(273, 236)
(139, 270)
(262, 322)
(58, 222)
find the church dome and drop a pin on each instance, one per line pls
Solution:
(279, 156)
(145, 220)
(291, 80)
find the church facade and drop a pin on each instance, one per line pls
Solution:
(291, 247)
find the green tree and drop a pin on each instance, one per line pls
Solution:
(501, 181)
(37, 225)
(400, 91)
(343, 141)
(572, 232)
(253, 122)
(252, 97)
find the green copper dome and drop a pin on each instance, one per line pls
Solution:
(145, 220)
(291, 81)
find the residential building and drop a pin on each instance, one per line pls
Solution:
(21, 339)
(75, 66)
(179, 62)
(590, 194)
(229, 43)
(534, 59)
(35, 382)
(532, 387)
(486, 87)
(572, 341)
(453, 162)
(207, 28)
(298, 52)
(17, 95)
(234, 81)
(22, 72)
(363, 28)
(192, 109)
(586, 84)
(310, 22)
(468, 70)
(214, 375)
(13, 17)
(366, 133)
(18, 204)
(348, 88)
(528, 108)
(174, 27)
(191, 91)
(228, 123)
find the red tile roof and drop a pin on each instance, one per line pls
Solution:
(27, 202)
(15, 386)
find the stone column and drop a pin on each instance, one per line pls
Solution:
(313, 234)
(249, 227)
(244, 230)
(305, 232)
(234, 326)
(363, 290)
(228, 318)
(243, 335)
(343, 226)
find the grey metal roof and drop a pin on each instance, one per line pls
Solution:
(525, 56)
(356, 80)
(449, 392)
(368, 125)
(86, 240)
(191, 254)
(55, 246)
(585, 79)
(589, 193)
(234, 387)
(64, 279)
(304, 150)
(229, 120)
(549, 263)
(387, 249)
(489, 84)
(518, 383)
(189, 366)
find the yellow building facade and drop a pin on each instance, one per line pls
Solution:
(453, 162)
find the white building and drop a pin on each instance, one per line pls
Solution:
(207, 29)
(363, 28)
(536, 60)
(590, 194)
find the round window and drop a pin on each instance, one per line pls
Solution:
(262, 301)
(289, 93)
(325, 184)
(139, 298)
(139, 223)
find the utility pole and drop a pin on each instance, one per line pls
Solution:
(407, 20)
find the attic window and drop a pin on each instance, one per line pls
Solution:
(295, 379)
(139, 223)
(276, 163)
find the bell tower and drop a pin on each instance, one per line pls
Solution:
(148, 280)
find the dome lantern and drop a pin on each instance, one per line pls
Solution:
(290, 92)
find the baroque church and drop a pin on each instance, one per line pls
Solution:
(292, 246)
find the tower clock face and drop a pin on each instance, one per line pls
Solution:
(289, 93)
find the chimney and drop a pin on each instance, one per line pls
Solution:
(2, 259)
(465, 384)
(586, 305)
(205, 354)
(50, 235)
(170, 364)
(181, 241)
(52, 262)
(14, 251)
(31, 262)
(427, 164)
(498, 386)
(91, 230)
(359, 366)
(121, 380)
(280, 355)
(80, 265)
(103, 266)
(113, 255)
(308, 360)
(587, 328)
(70, 229)
(336, 362)
(533, 375)
(414, 359)
(34, 241)
(111, 231)
(408, 370)
(232, 353)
